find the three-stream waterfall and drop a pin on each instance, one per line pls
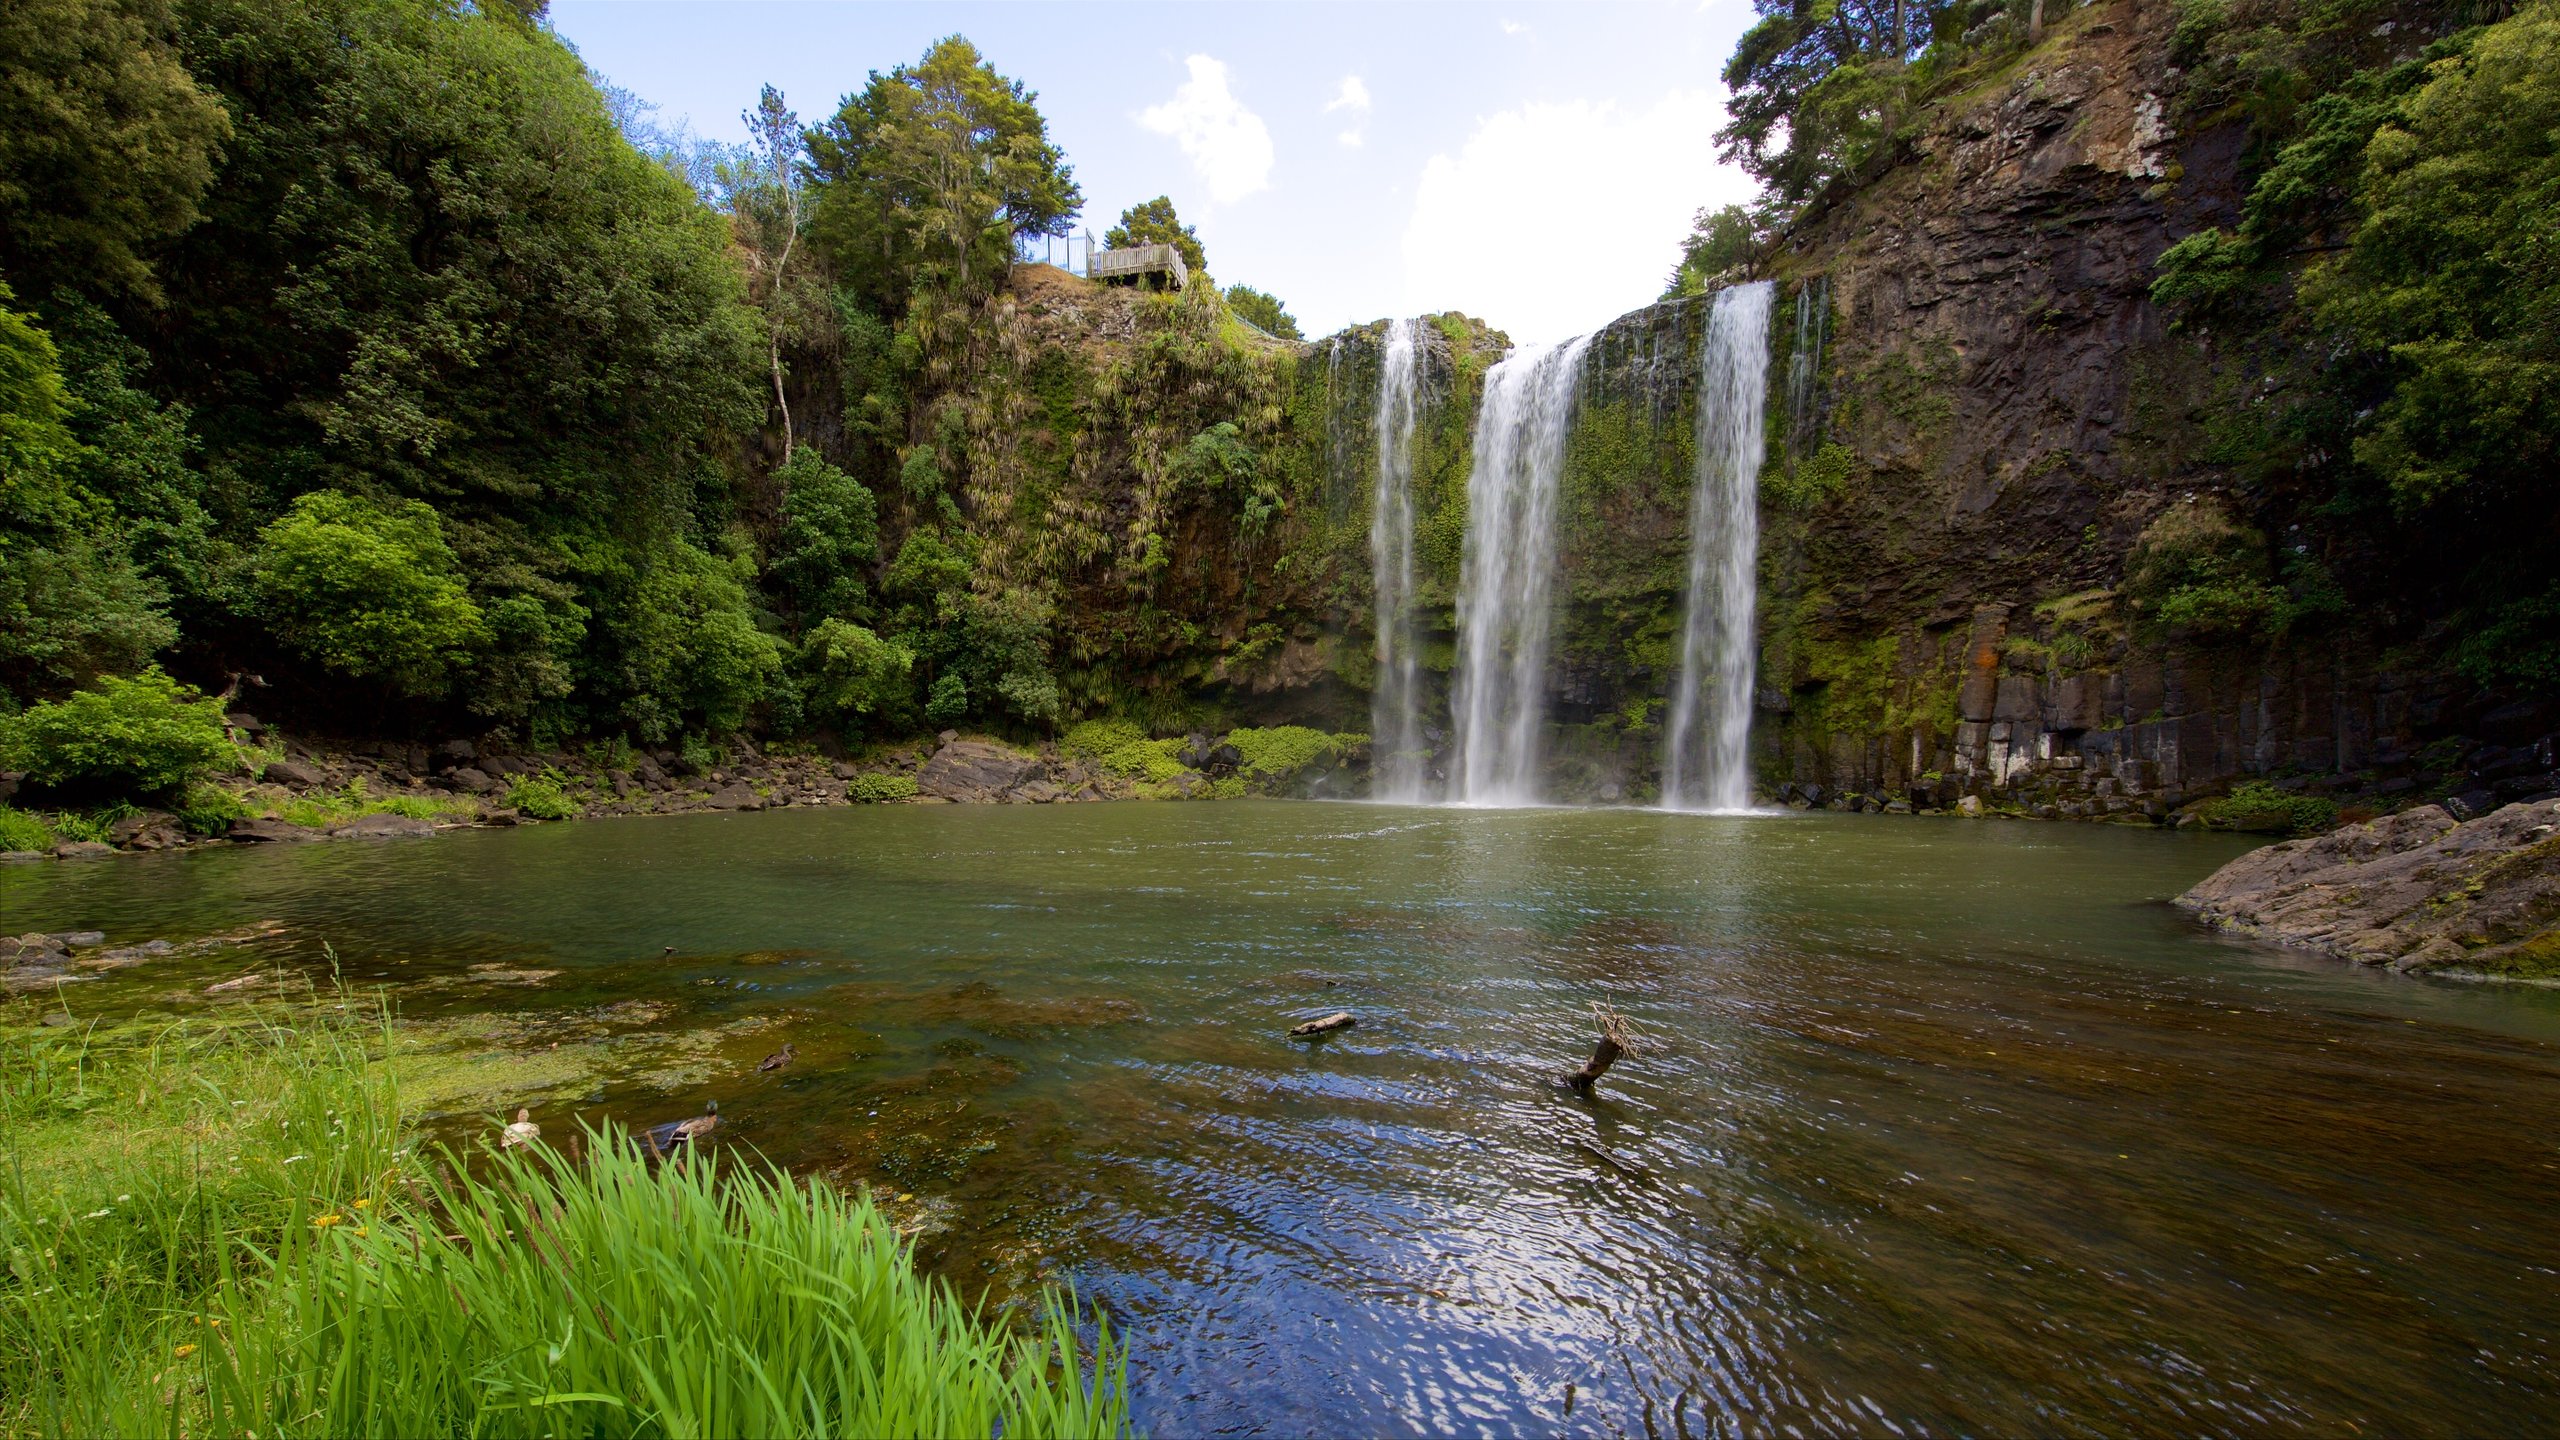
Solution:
(1395, 704)
(1706, 762)
(1506, 578)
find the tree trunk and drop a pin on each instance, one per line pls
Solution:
(1603, 1055)
(2035, 22)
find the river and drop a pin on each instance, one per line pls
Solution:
(1943, 1126)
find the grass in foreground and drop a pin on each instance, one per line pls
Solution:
(214, 1229)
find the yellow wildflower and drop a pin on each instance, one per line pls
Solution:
(326, 1221)
(185, 1350)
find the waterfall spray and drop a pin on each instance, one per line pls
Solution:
(1395, 703)
(1507, 576)
(1706, 763)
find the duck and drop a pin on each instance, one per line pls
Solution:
(522, 1132)
(663, 1140)
(779, 1058)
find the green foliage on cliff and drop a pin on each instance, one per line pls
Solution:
(2259, 808)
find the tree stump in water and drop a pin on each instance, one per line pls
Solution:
(1338, 1020)
(1617, 1038)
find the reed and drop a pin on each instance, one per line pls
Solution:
(289, 1270)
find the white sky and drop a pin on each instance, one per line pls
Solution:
(1531, 165)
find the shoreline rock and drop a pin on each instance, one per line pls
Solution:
(2418, 891)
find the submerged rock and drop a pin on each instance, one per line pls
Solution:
(2417, 891)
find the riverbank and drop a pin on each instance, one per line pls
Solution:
(226, 1223)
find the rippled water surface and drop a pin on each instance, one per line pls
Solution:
(1948, 1126)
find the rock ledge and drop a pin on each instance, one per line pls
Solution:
(2415, 891)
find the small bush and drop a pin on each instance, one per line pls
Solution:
(542, 797)
(147, 736)
(22, 831)
(1151, 760)
(875, 787)
(2196, 569)
(1096, 738)
(209, 810)
(369, 590)
(2258, 808)
(1284, 750)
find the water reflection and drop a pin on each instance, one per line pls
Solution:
(1951, 1126)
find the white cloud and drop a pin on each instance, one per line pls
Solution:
(1226, 143)
(1554, 219)
(1514, 27)
(1352, 95)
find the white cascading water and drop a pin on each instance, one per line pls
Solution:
(1395, 702)
(1706, 759)
(1506, 578)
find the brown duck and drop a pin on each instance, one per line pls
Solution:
(778, 1058)
(663, 1140)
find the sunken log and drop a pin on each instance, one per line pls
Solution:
(1338, 1020)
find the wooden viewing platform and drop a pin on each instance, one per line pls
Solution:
(1133, 265)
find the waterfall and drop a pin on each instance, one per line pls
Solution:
(1804, 361)
(1706, 763)
(1507, 575)
(1395, 701)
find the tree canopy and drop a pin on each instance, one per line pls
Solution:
(1154, 222)
(930, 173)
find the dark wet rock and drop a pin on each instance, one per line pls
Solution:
(82, 939)
(648, 772)
(2417, 890)
(470, 780)
(456, 752)
(20, 857)
(1035, 792)
(30, 948)
(974, 771)
(381, 827)
(291, 772)
(81, 850)
(243, 721)
(260, 830)
(10, 780)
(736, 795)
(2471, 804)
(501, 818)
(150, 830)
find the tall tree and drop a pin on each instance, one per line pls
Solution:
(106, 143)
(1816, 85)
(766, 206)
(1154, 223)
(930, 173)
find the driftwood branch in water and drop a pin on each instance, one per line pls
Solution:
(1338, 1020)
(1617, 1039)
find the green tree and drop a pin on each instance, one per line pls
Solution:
(767, 210)
(106, 142)
(1154, 223)
(849, 674)
(830, 534)
(2452, 275)
(930, 173)
(1719, 241)
(369, 590)
(1817, 85)
(679, 645)
(1264, 310)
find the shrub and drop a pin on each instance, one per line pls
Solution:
(22, 831)
(2196, 569)
(849, 673)
(875, 787)
(369, 590)
(1151, 760)
(542, 797)
(1284, 750)
(949, 700)
(830, 532)
(1096, 738)
(208, 810)
(2259, 808)
(147, 736)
